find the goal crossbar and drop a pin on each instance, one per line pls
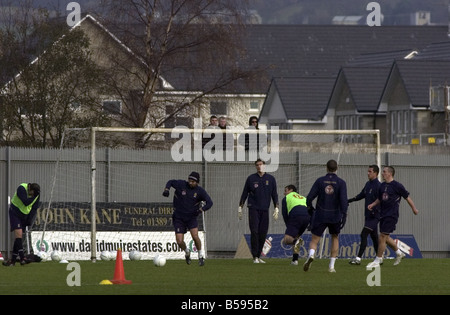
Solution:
(374, 132)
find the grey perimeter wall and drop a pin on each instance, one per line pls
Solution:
(426, 177)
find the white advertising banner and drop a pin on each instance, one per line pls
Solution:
(77, 245)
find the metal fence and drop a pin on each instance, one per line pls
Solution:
(424, 176)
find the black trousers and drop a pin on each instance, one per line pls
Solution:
(259, 226)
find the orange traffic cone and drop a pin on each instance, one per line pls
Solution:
(119, 274)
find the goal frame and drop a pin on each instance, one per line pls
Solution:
(94, 130)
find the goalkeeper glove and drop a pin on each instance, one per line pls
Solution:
(166, 193)
(343, 220)
(275, 213)
(351, 200)
(240, 213)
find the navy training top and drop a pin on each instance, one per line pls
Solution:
(331, 193)
(390, 195)
(186, 200)
(260, 190)
(370, 193)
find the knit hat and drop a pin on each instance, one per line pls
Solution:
(195, 176)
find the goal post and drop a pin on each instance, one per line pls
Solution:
(108, 193)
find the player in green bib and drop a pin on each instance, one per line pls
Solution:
(22, 213)
(296, 217)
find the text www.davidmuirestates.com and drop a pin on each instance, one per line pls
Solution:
(142, 246)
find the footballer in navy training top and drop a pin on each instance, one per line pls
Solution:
(259, 190)
(188, 204)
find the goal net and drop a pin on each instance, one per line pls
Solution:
(107, 186)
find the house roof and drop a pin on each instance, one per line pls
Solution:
(303, 50)
(435, 51)
(384, 58)
(366, 85)
(300, 50)
(304, 98)
(417, 76)
(366, 75)
(319, 52)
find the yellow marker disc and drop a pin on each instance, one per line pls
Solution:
(106, 282)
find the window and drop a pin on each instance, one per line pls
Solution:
(406, 123)
(393, 127)
(181, 118)
(349, 122)
(254, 105)
(113, 107)
(413, 121)
(340, 122)
(218, 108)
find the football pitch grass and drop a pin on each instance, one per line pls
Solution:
(230, 277)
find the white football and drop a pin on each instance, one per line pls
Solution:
(159, 260)
(105, 255)
(113, 254)
(43, 255)
(135, 255)
(56, 255)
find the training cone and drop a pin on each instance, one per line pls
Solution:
(119, 274)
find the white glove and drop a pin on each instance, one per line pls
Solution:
(275, 213)
(240, 213)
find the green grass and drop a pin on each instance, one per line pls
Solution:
(230, 277)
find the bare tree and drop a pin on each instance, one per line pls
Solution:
(50, 80)
(191, 46)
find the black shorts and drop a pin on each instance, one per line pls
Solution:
(372, 223)
(17, 220)
(182, 225)
(319, 228)
(297, 225)
(388, 224)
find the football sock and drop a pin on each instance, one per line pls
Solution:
(17, 249)
(332, 261)
(311, 252)
(295, 257)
